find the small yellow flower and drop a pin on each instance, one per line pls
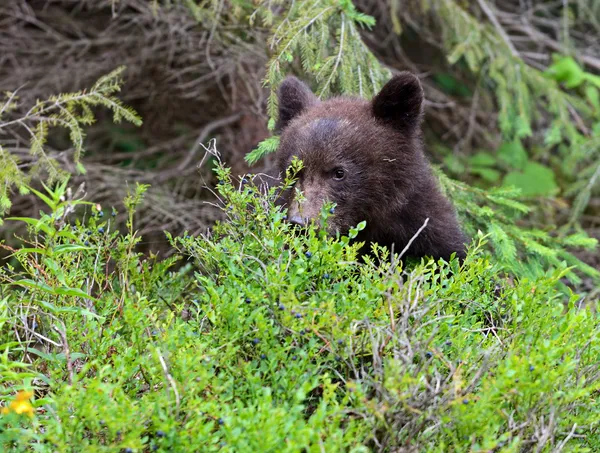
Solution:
(20, 405)
(24, 395)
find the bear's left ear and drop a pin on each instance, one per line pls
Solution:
(400, 101)
(294, 97)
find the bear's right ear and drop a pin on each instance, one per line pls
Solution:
(294, 97)
(400, 101)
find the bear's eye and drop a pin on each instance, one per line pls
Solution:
(339, 174)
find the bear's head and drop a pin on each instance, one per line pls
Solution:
(365, 156)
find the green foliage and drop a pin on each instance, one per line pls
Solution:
(510, 166)
(326, 39)
(566, 70)
(265, 147)
(518, 87)
(533, 179)
(482, 164)
(282, 341)
(449, 84)
(513, 155)
(526, 97)
(71, 111)
(524, 251)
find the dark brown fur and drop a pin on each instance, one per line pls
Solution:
(387, 180)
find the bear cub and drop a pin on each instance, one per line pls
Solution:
(367, 157)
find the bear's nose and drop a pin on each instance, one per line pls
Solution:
(297, 220)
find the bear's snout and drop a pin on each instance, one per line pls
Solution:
(307, 207)
(297, 221)
(297, 215)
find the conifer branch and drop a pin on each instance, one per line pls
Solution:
(61, 110)
(492, 17)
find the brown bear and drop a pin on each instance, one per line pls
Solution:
(367, 157)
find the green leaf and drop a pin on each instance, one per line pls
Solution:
(483, 159)
(65, 291)
(26, 250)
(51, 204)
(553, 135)
(535, 180)
(451, 85)
(35, 223)
(593, 96)
(505, 246)
(593, 79)
(57, 271)
(488, 174)
(454, 164)
(66, 248)
(28, 283)
(80, 168)
(61, 290)
(581, 239)
(513, 204)
(513, 154)
(67, 234)
(79, 310)
(567, 70)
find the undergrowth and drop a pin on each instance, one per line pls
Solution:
(257, 338)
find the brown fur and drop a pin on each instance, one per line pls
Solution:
(387, 179)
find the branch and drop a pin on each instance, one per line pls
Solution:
(414, 237)
(169, 378)
(492, 17)
(66, 351)
(185, 163)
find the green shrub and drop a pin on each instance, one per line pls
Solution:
(254, 337)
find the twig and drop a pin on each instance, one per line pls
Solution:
(169, 378)
(492, 17)
(414, 237)
(185, 163)
(539, 37)
(338, 57)
(563, 442)
(65, 345)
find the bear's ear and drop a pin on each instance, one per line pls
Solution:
(294, 97)
(400, 101)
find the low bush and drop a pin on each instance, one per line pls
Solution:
(257, 337)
